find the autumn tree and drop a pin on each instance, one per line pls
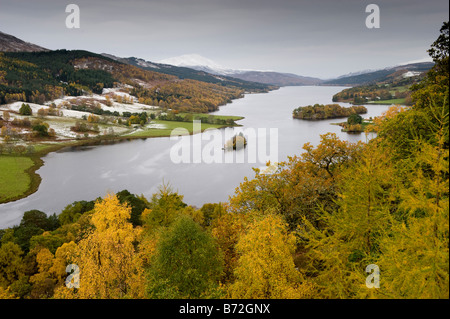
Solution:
(25, 109)
(433, 91)
(298, 187)
(72, 212)
(349, 239)
(439, 50)
(415, 257)
(43, 283)
(211, 212)
(6, 294)
(11, 264)
(34, 222)
(227, 230)
(164, 208)
(186, 264)
(266, 268)
(107, 256)
(137, 204)
(65, 255)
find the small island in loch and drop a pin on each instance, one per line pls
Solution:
(237, 142)
(356, 124)
(327, 111)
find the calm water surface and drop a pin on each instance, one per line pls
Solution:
(141, 166)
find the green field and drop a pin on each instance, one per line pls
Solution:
(14, 180)
(399, 89)
(388, 102)
(169, 127)
(222, 117)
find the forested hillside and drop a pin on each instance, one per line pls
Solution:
(309, 230)
(380, 75)
(42, 76)
(188, 73)
(396, 89)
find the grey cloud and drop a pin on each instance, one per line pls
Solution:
(318, 38)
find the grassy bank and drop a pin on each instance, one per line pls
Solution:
(388, 102)
(17, 177)
(168, 127)
(197, 116)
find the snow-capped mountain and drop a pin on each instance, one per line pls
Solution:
(356, 73)
(200, 63)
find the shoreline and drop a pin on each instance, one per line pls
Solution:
(38, 162)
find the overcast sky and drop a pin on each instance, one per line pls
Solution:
(322, 38)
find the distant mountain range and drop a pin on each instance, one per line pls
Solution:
(197, 62)
(189, 73)
(276, 78)
(368, 77)
(194, 66)
(9, 43)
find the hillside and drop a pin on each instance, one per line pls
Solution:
(396, 89)
(42, 76)
(30, 73)
(9, 43)
(188, 73)
(276, 78)
(380, 75)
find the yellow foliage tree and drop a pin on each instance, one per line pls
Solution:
(109, 265)
(43, 282)
(415, 258)
(6, 294)
(298, 187)
(227, 230)
(266, 267)
(349, 240)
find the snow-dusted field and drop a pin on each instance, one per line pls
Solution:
(157, 126)
(62, 124)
